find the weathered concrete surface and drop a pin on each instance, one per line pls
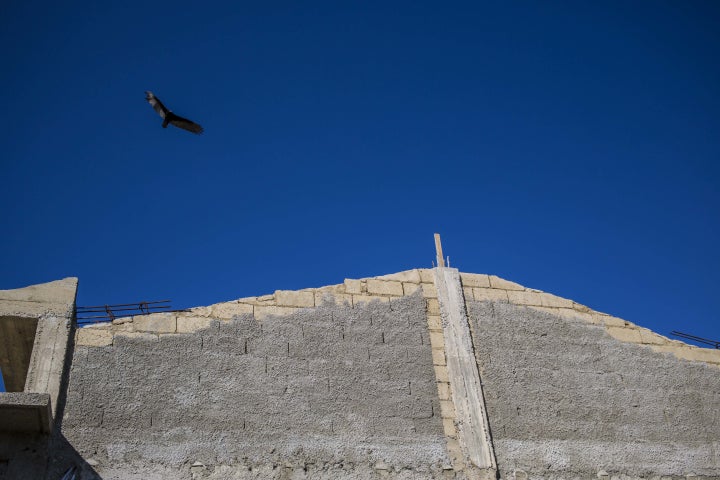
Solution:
(23, 455)
(36, 341)
(52, 338)
(17, 336)
(567, 400)
(467, 395)
(20, 310)
(51, 298)
(325, 392)
(25, 412)
(36, 323)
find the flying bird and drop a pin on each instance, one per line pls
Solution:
(169, 117)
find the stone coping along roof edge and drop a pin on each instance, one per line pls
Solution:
(385, 288)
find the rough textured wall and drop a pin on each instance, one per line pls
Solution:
(565, 399)
(35, 344)
(320, 392)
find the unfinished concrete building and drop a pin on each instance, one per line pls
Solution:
(427, 373)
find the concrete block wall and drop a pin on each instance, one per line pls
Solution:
(478, 287)
(573, 393)
(360, 369)
(338, 381)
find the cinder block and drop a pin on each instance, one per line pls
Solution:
(652, 338)
(425, 426)
(99, 326)
(524, 297)
(447, 409)
(264, 311)
(581, 308)
(497, 282)
(364, 299)
(475, 280)
(433, 306)
(353, 286)
(323, 332)
(402, 337)
(441, 374)
(122, 320)
(411, 276)
(291, 298)
(388, 355)
(434, 322)
(200, 311)
(597, 318)
(93, 337)
(418, 355)
(549, 300)
(426, 275)
(443, 391)
(429, 290)
(229, 310)
(449, 428)
(576, 314)
(611, 321)
(437, 340)
(410, 288)
(697, 354)
(550, 310)
(332, 297)
(382, 287)
(455, 452)
(438, 357)
(625, 334)
(123, 327)
(156, 323)
(150, 337)
(287, 367)
(415, 407)
(192, 324)
(490, 295)
(468, 293)
(566, 313)
(224, 344)
(361, 334)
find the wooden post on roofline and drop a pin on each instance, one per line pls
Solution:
(438, 251)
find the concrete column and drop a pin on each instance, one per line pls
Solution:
(46, 312)
(465, 387)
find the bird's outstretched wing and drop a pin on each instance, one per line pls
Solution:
(171, 118)
(156, 104)
(184, 123)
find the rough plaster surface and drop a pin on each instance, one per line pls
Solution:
(53, 298)
(567, 400)
(328, 392)
(17, 336)
(25, 412)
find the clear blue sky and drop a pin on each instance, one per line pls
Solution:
(568, 146)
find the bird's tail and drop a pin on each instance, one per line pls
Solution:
(166, 120)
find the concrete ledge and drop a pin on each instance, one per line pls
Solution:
(52, 298)
(25, 412)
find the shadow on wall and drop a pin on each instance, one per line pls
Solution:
(62, 455)
(63, 458)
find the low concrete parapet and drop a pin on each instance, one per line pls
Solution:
(22, 412)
